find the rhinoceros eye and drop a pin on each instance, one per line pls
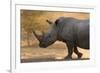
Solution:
(49, 36)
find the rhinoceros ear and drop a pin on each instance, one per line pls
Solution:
(56, 22)
(50, 22)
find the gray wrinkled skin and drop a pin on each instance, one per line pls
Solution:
(74, 32)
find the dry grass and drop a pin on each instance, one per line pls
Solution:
(57, 51)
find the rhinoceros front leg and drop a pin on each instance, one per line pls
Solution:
(70, 46)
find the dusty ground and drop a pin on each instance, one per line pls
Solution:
(55, 52)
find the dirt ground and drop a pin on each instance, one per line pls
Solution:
(55, 52)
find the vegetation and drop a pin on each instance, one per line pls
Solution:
(36, 20)
(30, 20)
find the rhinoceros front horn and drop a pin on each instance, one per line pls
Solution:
(39, 37)
(50, 22)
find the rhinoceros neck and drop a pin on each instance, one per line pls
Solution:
(60, 29)
(66, 30)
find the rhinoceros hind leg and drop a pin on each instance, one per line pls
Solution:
(79, 54)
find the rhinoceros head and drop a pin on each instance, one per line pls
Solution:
(48, 38)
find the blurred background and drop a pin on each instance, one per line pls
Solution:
(36, 20)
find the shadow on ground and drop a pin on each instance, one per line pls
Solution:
(48, 60)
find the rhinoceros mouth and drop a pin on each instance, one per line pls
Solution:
(42, 46)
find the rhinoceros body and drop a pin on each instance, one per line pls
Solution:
(74, 32)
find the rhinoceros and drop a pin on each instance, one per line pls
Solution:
(74, 32)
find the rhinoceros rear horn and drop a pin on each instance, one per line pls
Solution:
(39, 37)
(50, 22)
